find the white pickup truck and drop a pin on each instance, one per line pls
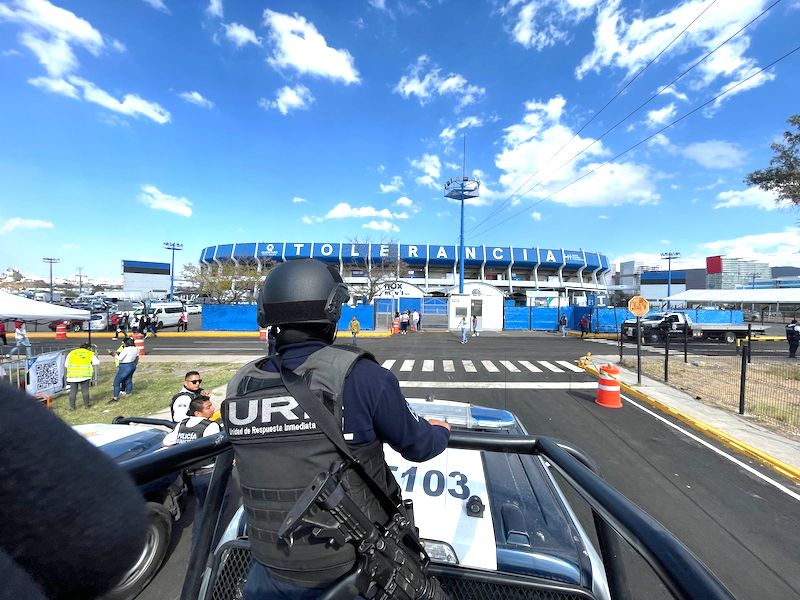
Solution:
(656, 325)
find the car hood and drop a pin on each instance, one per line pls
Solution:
(122, 442)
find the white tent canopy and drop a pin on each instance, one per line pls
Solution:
(17, 307)
(757, 296)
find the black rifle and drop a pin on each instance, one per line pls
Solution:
(392, 561)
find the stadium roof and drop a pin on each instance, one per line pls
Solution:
(757, 296)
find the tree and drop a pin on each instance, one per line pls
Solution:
(783, 175)
(226, 283)
(386, 268)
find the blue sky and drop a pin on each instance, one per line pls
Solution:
(129, 123)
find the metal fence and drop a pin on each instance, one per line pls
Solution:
(760, 384)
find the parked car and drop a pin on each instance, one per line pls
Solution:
(164, 497)
(98, 322)
(194, 309)
(72, 324)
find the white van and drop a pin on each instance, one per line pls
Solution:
(166, 314)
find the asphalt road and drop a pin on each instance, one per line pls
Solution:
(742, 527)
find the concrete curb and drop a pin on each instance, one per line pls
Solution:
(724, 438)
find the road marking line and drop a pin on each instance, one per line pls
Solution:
(550, 366)
(501, 385)
(407, 365)
(387, 364)
(469, 367)
(570, 366)
(427, 366)
(449, 367)
(531, 367)
(489, 366)
(510, 366)
(712, 447)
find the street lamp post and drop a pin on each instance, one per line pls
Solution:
(669, 256)
(461, 188)
(172, 246)
(51, 261)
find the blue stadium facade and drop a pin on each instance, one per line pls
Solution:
(434, 267)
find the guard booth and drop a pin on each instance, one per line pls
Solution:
(482, 300)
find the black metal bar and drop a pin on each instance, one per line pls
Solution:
(157, 464)
(639, 350)
(201, 545)
(143, 421)
(677, 567)
(749, 342)
(685, 343)
(667, 335)
(742, 380)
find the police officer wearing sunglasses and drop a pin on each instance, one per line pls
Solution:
(179, 405)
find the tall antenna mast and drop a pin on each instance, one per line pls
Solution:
(459, 189)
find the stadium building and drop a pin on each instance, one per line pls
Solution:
(534, 274)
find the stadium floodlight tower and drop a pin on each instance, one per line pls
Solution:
(51, 261)
(172, 246)
(669, 257)
(461, 188)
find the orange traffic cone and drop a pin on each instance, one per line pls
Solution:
(262, 334)
(138, 342)
(61, 331)
(608, 387)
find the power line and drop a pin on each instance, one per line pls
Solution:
(651, 136)
(630, 114)
(597, 114)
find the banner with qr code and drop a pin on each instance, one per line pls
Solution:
(46, 373)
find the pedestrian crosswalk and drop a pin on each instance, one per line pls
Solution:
(481, 366)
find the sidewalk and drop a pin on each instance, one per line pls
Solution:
(731, 429)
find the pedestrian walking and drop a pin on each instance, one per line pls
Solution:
(122, 326)
(3, 333)
(793, 337)
(355, 329)
(183, 321)
(475, 325)
(80, 364)
(464, 327)
(562, 324)
(113, 321)
(128, 358)
(584, 325)
(415, 321)
(21, 340)
(404, 323)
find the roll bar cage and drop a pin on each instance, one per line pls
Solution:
(683, 574)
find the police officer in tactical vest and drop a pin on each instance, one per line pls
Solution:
(280, 449)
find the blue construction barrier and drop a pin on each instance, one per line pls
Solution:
(516, 318)
(365, 313)
(229, 317)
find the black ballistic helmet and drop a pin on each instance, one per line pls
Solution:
(301, 291)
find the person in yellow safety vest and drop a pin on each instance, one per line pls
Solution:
(80, 364)
(355, 329)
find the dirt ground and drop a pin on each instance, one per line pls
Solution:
(772, 389)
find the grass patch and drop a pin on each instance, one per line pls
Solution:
(154, 384)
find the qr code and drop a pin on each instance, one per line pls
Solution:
(47, 374)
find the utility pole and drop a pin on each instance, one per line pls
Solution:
(669, 256)
(172, 246)
(51, 261)
(80, 282)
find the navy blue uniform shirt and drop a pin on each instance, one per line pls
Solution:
(375, 408)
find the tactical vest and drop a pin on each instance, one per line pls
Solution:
(189, 434)
(79, 364)
(189, 397)
(279, 450)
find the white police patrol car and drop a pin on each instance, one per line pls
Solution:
(164, 497)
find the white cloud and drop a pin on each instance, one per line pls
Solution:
(536, 216)
(715, 154)
(378, 4)
(287, 99)
(240, 35)
(55, 86)
(449, 133)
(214, 8)
(197, 98)
(661, 116)
(299, 45)
(11, 52)
(658, 140)
(393, 186)
(425, 85)
(541, 23)
(158, 200)
(774, 248)
(443, 213)
(720, 181)
(404, 201)
(19, 223)
(753, 196)
(158, 5)
(310, 220)
(343, 211)
(381, 226)
(299, 200)
(630, 42)
(541, 144)
(672, 91)
(431, 167)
